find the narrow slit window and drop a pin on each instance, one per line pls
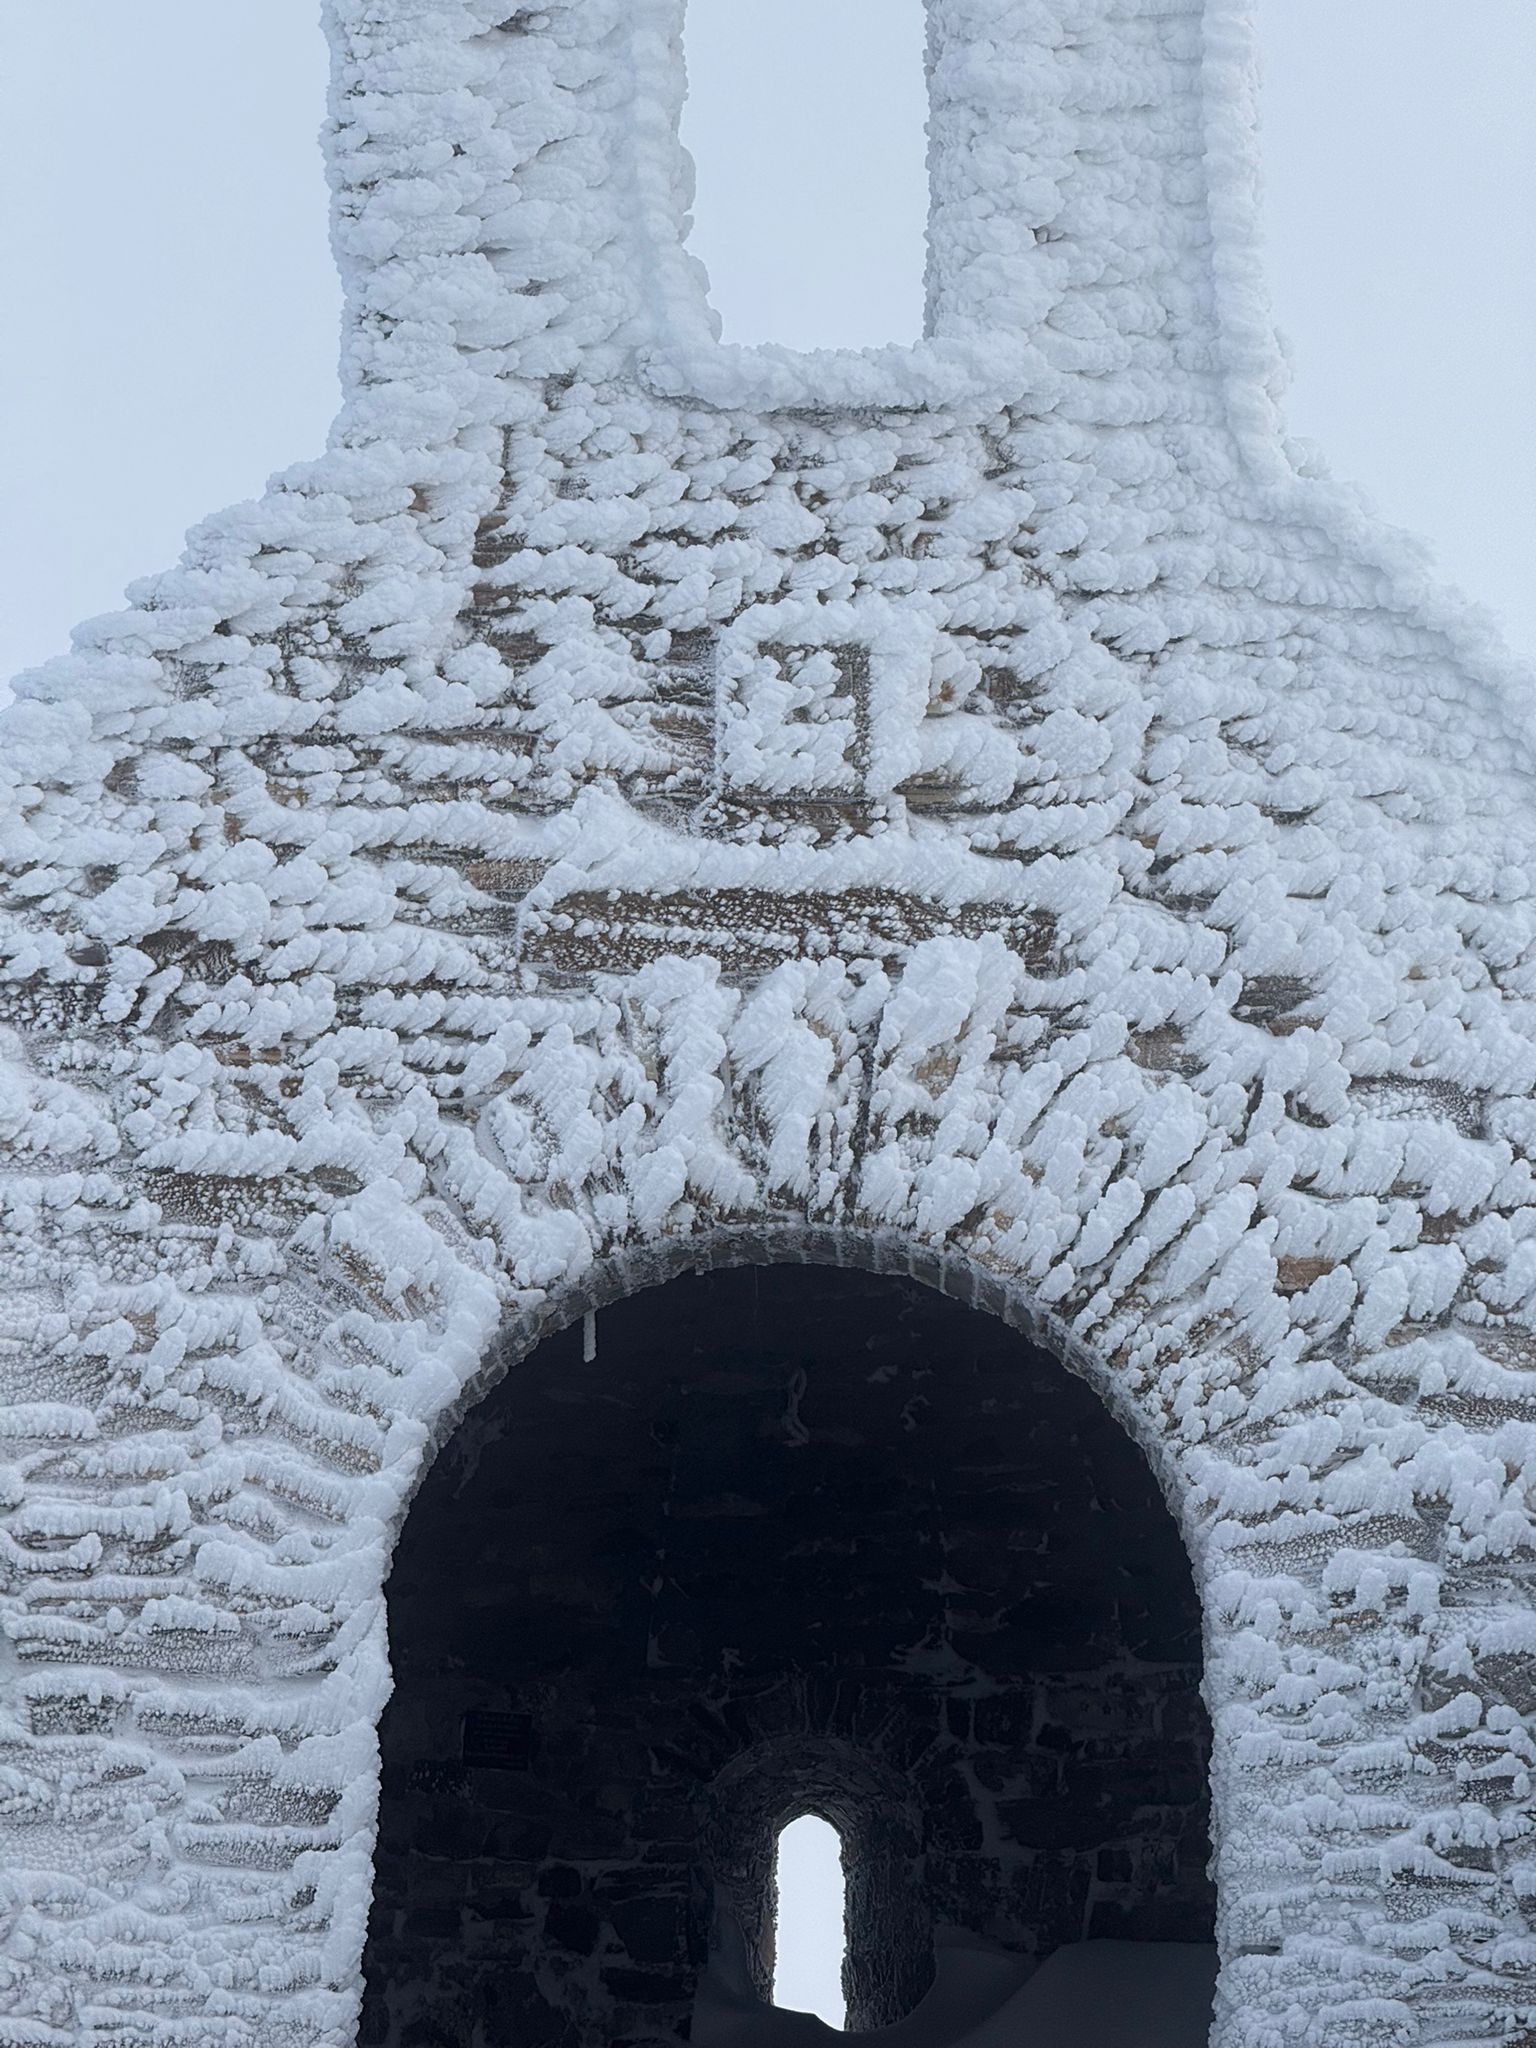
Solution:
(810, 1936)
(806, 120)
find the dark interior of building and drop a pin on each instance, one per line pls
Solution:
(795, 1539)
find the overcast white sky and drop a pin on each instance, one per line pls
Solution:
(171, 312)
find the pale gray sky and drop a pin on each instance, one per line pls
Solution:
(172, 311)
(809, 1945)
(1401, 152)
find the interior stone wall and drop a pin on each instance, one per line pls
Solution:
(795, 1538)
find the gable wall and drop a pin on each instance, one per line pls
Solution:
(624, 798)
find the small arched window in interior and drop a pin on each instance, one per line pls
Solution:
(806, 120)
(810, 1937)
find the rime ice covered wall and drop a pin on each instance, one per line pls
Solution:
(970, 809)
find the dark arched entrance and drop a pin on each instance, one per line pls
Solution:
(793, 1537)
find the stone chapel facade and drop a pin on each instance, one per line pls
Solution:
(973, 816)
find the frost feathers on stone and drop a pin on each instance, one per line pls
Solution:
(611, 800)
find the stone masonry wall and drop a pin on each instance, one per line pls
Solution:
(976, 810)
(794, 1538)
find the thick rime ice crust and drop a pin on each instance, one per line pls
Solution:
(632, 801)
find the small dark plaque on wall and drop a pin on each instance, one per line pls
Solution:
(497, 1741)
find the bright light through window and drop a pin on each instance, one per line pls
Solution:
(810, 1938)
(806, 121)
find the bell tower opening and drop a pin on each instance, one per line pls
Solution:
(810, 1919)
(788, 1541)
(806, 121)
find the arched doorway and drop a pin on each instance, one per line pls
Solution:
(767, 1540)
